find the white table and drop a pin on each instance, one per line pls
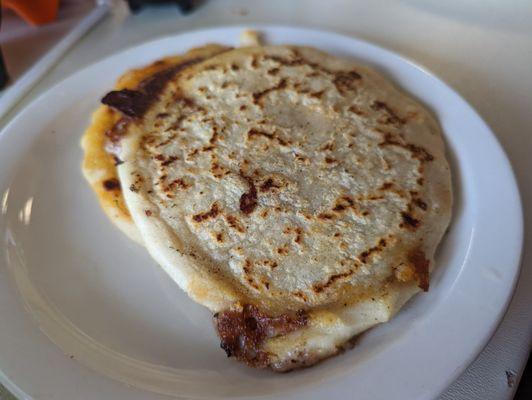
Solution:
(483, 48)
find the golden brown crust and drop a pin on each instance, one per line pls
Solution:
(100, 170)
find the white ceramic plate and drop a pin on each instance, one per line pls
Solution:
(116, 318)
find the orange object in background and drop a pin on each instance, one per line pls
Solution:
(35, 12)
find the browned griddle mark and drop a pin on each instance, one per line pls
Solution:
(111, 184)
(388, 187)
(320, 287)
(299, 236)
(212, 213)
(365, 255)
(212, 67)
(273, 71)
(418, 152)
(421, 204)
(244, 168)
(193, 153)
(409, 221)
(421, 266)
(270, 263)
(177, 122)
(179, 182)
(283, 250)
(254, 61)
(257, 97)
(343, 203)
(301, 295)
(247, 267)
(346, 81)
(327, 147)
(317, 95)
(293, 62)
(390, 116)
(217, 170)
(251, 282)
(169, 161)
(214, 136)
(235, 223)
(356, 110)
(302, 158)
(117, 161)
(115, 134)
(243, 332)
(255, 132)
(269, 184)
(152, 141)
(248, 200)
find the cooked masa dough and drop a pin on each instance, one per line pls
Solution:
(99, 164)
(299, 196)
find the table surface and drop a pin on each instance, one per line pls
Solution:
(482, 48)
